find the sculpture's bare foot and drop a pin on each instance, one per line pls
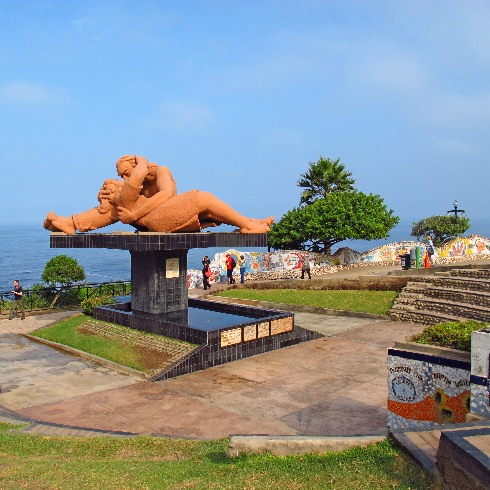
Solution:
(49, 226)
(254, 227)
(60, 223)
(267, 221)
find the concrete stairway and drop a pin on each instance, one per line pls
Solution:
(457, 455)
(463, 295)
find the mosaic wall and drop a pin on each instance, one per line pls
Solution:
(288, 264)
(425, 390)
(480, 396)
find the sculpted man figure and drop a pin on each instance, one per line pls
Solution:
(148, 200)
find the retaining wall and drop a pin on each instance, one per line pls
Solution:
(288, 264)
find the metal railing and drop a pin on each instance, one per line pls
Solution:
(45, 298)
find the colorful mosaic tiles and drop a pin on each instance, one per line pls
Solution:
(480, 396)
(426, 390)
(280, 264)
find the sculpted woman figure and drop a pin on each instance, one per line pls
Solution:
(148, 200)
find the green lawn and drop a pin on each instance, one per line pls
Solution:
(69, 463)
(66, 333)
(377, 302)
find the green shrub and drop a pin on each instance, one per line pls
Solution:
(62, 270)
(455, 335)
(5, 305)
(378, 284)
(89, 303)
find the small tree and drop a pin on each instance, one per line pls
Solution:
(323, 178)
(62, 270)
(440, 228)
(339, 216)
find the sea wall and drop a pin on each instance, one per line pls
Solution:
(288, 264)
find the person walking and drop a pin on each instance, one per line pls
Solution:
(206, 272)
(17, 301)
(230, 265)
(306, 266)
(241, 264)
(430, 249)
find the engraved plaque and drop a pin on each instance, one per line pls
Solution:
(230, 337)
(282, 325)
(263, 329)
(172, 268)
(249, 333)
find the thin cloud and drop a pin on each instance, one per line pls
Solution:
(268, 70)
(30, 93)
(181, 116)
(286, 138)
(398, 72)
(456, 147)
(450, 110)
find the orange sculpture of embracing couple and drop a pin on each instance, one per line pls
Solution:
(147, 199)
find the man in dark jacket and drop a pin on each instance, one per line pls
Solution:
(17, 301)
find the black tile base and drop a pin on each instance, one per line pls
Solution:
(206, 356)
(209, 352)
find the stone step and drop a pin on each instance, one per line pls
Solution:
(470, 297)
(422, 279)
(401, 306)
(471, 273)
(409, 295)
(423, 317)
(452, 308)
(422, 444)
(462, 283)
(416, 287)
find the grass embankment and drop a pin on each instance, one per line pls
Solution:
(365, 301)
(127, 353)
(69, 463)
(455, 335)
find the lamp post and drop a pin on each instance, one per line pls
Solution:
(456, 210)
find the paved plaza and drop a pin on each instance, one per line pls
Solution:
(334, 386)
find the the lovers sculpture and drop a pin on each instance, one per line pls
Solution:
(147, 199)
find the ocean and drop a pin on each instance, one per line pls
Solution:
(24, 251)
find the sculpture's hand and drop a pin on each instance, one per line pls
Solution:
(125, 215)
(141, 160)
(105, 193)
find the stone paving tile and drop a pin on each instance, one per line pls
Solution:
(150, 408)
(342, 417)
(418, 439)
(427, 441)
(431, 439)
(34, 374)
(480, 442)
(329, 386)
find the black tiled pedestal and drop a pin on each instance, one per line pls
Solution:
(158, 261)
(159, 302)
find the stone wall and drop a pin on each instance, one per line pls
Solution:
(288, 264)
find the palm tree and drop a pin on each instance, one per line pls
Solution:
(324, 177)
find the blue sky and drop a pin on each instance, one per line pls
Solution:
(236, 97)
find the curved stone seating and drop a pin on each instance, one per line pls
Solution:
(463, 295)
